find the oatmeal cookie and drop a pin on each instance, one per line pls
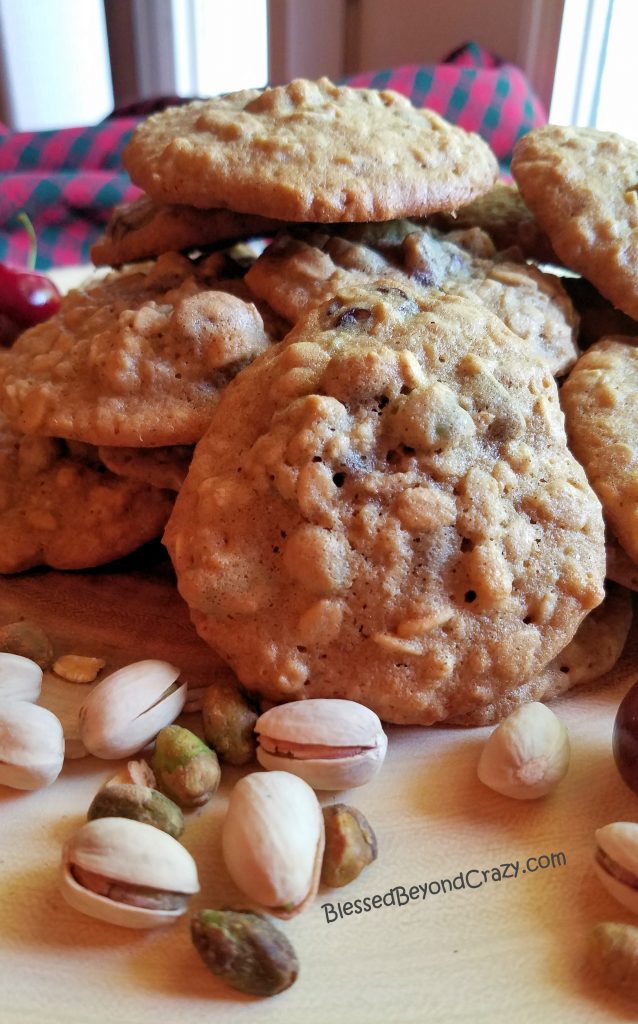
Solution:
(595, 649)
(58, 507)
(582, 185)
(601, 416)
(385, 509)
(142, 228)
(503, 215)
(309, 151)
(160, 467)
(620, 567)
(298, 271)
(597, 318)
(137, 359)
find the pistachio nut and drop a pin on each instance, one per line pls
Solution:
(613, 954)
(616, 861)
(273, 839)
(122, 800)
(31, 745)
(350, 845)
(127, 873)
(330, 743)
(527, 755)
(229, 722)
(20, 678)
(185, 768)
(245, 950)
(126, 710)
(29, 641)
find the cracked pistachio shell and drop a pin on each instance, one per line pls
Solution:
(20, 678)
(273, 840)
(245, 950)
(141, 803)
(31, 745)
(330, 743)
(126, 710)
(616, 861)
(134, 854)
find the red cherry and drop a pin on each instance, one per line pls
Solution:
(26, 298)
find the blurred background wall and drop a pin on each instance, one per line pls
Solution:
(68, 62)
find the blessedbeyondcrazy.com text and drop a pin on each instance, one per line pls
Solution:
(473, 878)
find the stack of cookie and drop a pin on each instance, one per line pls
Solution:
(383, 506)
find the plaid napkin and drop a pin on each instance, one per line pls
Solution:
(67, 181)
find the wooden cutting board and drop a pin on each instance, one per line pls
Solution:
(483, 945)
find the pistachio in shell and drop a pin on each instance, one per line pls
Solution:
(613, 954)
(245, 950)
(229, 722)
(185, 768)
(350, 845)
(141, 803)
(27, 640)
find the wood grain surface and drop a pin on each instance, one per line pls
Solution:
(483, 945)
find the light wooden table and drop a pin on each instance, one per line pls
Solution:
(506, 951)
(509, 950)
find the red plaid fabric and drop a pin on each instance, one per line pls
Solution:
(68, 181)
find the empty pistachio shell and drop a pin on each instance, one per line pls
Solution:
(616, 861)
(121, 800)
(185, 768)
(126, 710)
(127, 873)
(330, 743)
(27, 640)
(31, 745)
(350, 845)
(272, 841)
(527, 755)
(229, 722)
(245, 950)
(20, 678)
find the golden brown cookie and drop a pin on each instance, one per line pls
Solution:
(601, 417)
(142, 228)
(159, 467)
(503, 215)
(137, 359)
(597, 318)
(595, 649)
(59, 508)
(309, 151)
(582, 185)
(295, 272)
(620, 567)
(385, 509)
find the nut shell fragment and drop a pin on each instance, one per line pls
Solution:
(77, 668)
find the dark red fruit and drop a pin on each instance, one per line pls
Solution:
(625, 738)
(26, 298)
